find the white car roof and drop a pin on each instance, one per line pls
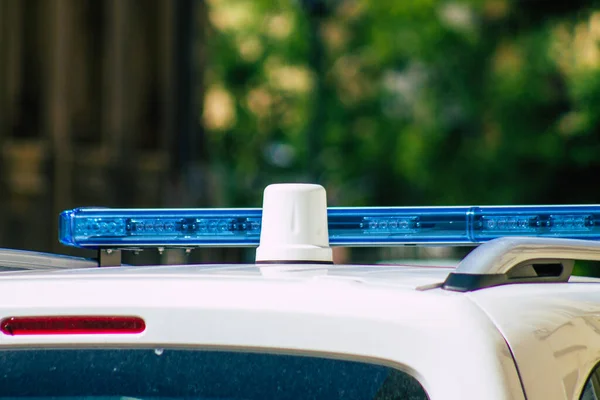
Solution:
(406, 276)
(529, 317)
(367, 313)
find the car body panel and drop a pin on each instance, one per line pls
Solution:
(350, 312)
(553, 331)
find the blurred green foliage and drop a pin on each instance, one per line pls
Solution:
(410, 102)
(586, 268)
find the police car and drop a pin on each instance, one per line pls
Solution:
(509, 322)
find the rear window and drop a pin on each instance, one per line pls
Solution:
(172, 374)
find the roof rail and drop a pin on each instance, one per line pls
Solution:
(520, 260)
(31, 260)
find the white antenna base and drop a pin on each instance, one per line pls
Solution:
(294, 225)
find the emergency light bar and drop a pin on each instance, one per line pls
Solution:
(358, 226)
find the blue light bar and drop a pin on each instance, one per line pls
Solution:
(357, 226)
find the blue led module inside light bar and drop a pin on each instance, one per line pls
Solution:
(113, 228)
(353, 226)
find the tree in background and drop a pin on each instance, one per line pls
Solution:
(419, 102)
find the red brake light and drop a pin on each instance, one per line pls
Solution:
(71, 325)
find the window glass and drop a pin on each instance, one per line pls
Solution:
(591, 390)
(174, 374)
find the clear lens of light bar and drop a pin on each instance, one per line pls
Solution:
(98, 227)
(359, 226)
(398, 225)
(460, 225)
